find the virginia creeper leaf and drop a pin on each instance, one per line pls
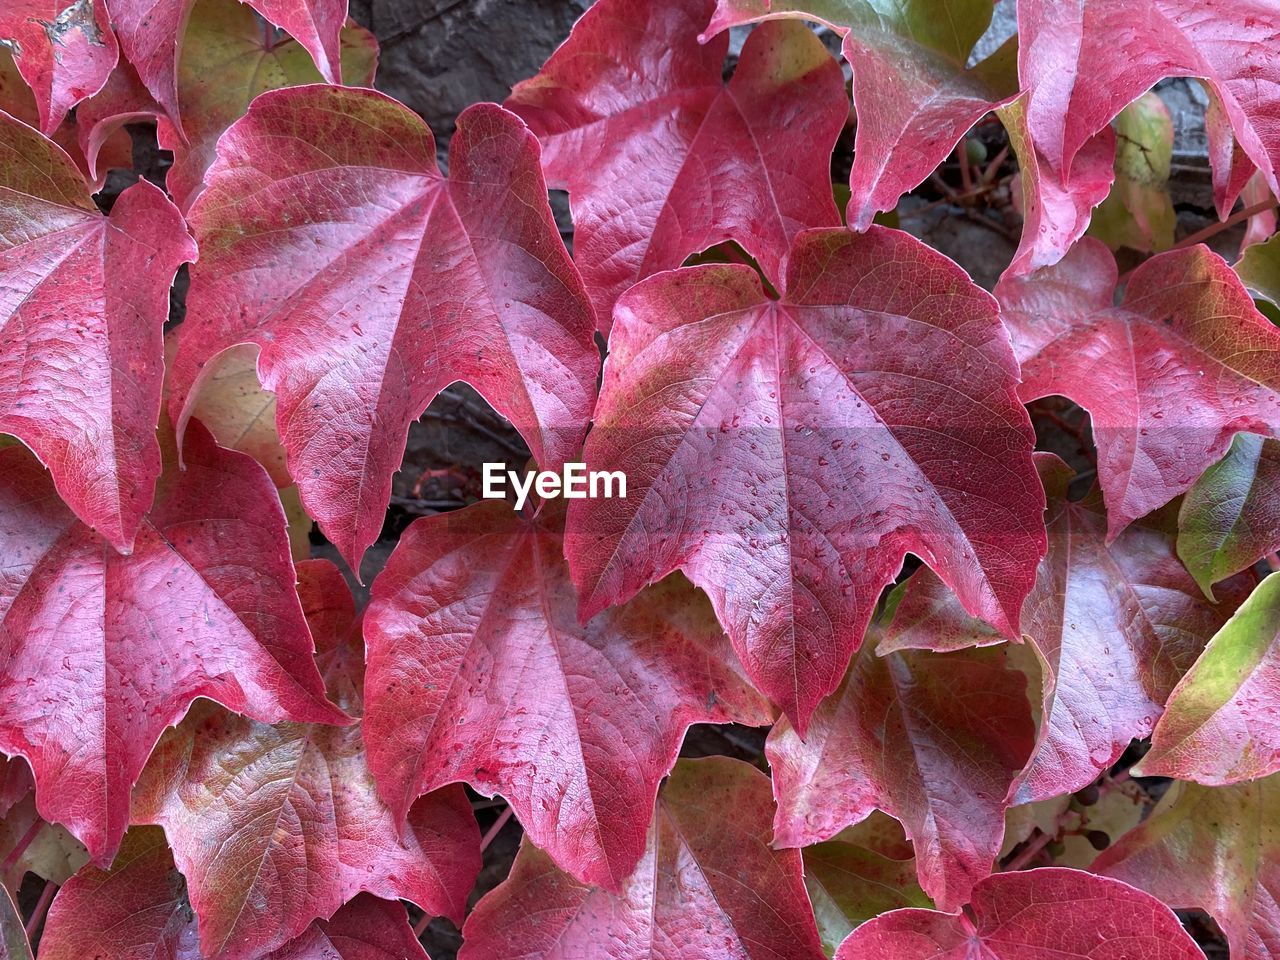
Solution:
(934, 740)
(1222, 722)
(1215, 848)
(365, 929)
(83, 300)
(152, 34)
(13, 937)
(1259, 268)
(709, 887)
(1138, 213)
(922, 614)
(913, 92)
(100, 652)
(100, 121)
(1054, 216)
(1055, 912)
(1230, 519)
(663, 159)
(479, 671)
(276, 826)
(226, 63)
(1082, 62)
(64, 51)
(364, 312)
(1169, 376)
(787, 454)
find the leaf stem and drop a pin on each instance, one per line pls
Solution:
(1214, 229)
(495, 829)
(36, 920)
(21, 847)
(1029, 852)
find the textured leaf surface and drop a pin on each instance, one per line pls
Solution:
(276, 826)
(13, 938)
(479, 671)
(1230, 519)
(83, 300)
(1259, 268)
(1083, 62)
(365, 929)
(787, 454)
(1216, 849)
(709, 887)
(663, 159)
(933, 740)
(1058, 913)
(366, 310)
(1138, 213)
(152, 34)
(1169, 376)
(64, 51)
(913, 91)
(100, 652)
(1222, 722)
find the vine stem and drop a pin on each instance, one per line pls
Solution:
(1029, 852)
(1214, 229)
(21, 847)
(36, 919)
(421, 926)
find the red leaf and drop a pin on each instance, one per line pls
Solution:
(365, 929)
(708, 888)
(914, 94)
(662, 159)
(1083, 62)
(933, 740)
(276, 826)
(364, 312)
(787, 455)
(1169, 376)
(64, 51)
(1058, 913)
(100, 652)
(479, 671)
(83, 300)
(1214, 848)
(152, 33)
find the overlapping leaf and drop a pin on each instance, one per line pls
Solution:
(1059, 913)
(479, 671)
(1216, 849)
(13, 937)
(152, 34)
(913, 90)
(1138, 213)
(1222, 722)
(663, 159)
(366, 308)
(1083, 62)
(709, 887)
(64, 51)
(276, 826)
(1169, 376)
(787, 454)
(100, 652)
(1230, 519)
(933, 740)
(83, 300)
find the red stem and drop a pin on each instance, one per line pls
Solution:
(16, 853)
(1029, 852)
(1214, 229)
(36, 920)
(420, 927)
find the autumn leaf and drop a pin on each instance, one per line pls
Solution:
(1054, 912)
(365, 312)
(1216, 849)
(1169, 376)
(1220, 724)
(13, 937)
(663, 159)
(787, 454)
(914, 92)
(709, 887)
(100, 652)
(276, 826)
(1138, 213)
(479, 671)
(83, 301)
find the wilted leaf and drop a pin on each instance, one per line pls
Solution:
(83, 301)
(1058, 913)
(480, 672)
(100, 652)
(276, 826)
(1222, 722)
(709, 887)
(365, 311)
(663, 159)
(787, 454)
(913, 91)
